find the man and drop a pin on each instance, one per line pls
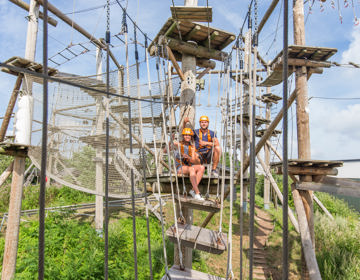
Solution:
(207, 145)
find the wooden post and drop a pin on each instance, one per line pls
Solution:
(6, 173)
(22, 134)
(10, 108)
(188, 89)
(99, 172)
(302, 118)
(12, 230)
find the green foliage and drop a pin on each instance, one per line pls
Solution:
(54, 197)
(338, 247)
(336, 206)
(75, 251)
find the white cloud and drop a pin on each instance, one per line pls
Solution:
(352, 53)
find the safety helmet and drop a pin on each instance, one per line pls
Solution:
(204, 118)
(187, 131)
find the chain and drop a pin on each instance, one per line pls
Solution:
(124, 28)
(255, 41)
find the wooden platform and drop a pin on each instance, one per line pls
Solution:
(206, 205)
(100, 140)
(270, 98)
(13, 149)
(198, 14)
(188, 274)
(308, 167)
(202, 239)
(261, 132)
(258, 120)
(195, 32)
(88, 82)
(298, 56)
(27, 64)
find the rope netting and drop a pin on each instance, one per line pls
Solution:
(76, 134)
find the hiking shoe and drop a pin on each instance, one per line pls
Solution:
(199, 197)
(192, 193)
(214, 173)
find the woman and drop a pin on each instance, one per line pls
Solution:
(185, 157)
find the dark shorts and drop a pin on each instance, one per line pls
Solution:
(205, 157)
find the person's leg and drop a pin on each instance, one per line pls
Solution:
(199, 170)
(216, 156)
(183, 170)
(193, 179)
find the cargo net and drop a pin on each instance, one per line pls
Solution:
(77, 131)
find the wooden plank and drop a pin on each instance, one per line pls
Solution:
(333, 185)
(295, 170)
(202, 239)
(200, 14)
(206, 205)
(189, 274)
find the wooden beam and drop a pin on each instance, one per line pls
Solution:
(12, 230)
(267, 14)
(203, 73)
(308, 170)
(227, 42)
(296, 181)
(175, 64)
(207, 42)
(333, 185)
(78, 28)
(26, 7)
(307, 244)
(301, 62)
(192, 32)
(10, 107)
(198, 51)
(171, 28)
(7, 172)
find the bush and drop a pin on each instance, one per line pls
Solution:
(75, 251)
(337, 247)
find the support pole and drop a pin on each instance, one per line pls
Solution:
(12, 230)
(23, 136)
(6, 173)
(302, 117)
(188, 89)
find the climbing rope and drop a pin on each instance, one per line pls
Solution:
(157, 163)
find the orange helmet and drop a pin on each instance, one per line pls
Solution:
(187, 131)
(204, 118)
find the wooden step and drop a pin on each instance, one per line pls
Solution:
(198, 14)
(206, 205)
(188, 274)
(202, 239)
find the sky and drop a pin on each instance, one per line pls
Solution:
(334, 123)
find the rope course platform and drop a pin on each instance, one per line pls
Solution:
(13, 149)
(24, 63)
(195, 32)
(199, 238)
(314, 57)
(198, 14)
(166, 180)
(261, 132)
(308, 167)
(189, 274)
(270, 98)
(206, 205)
(258, 119)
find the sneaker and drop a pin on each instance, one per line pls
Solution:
(214, 173)
(192, 193)
(199, 197)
